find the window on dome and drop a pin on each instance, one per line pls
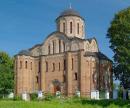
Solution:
(49, 49)
(78, 28)
(63, 47)
(59, 46)
(71, 27)
(82, 29)
(63, 27)
(53, 47)
(20, 64)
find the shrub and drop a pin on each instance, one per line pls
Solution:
(1, 96)
(102, 94)
(33, 96)
(17, 98)
(49, 96)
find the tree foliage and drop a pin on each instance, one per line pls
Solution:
(119, 35)
(6, 73)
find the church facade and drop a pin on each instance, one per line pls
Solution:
(65, 62)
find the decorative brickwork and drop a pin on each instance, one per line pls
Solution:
(65, 62)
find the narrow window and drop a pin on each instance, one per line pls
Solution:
(64, 78)
(78, 28)
(59, 46)
(31, 65)
(26, 64)
(16, 64)
(46, 66)
(82, 29)
(63, 27)
(20, 64)
(59, 66)
(37, 79)
(72, 63)
(71, 27)
(53, 47)
(49, 49)
(53, 67)
(63, 47)
(64, 64)
(39, 66)
(76, 76)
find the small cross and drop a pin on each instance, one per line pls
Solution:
(70, 6)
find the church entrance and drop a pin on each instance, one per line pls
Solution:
(57, 86)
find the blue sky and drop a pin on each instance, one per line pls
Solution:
(24, 23)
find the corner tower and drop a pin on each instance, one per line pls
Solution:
(71, 23)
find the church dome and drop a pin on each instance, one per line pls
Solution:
(71, 23)
(69, 12)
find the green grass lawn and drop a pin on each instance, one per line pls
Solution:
(69, 103)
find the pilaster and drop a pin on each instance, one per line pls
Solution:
(43, 73)
(69, 73)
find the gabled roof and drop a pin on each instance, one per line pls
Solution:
(24, 52)
(100, 55)
(37, 45)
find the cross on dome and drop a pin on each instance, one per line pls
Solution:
(70, 6)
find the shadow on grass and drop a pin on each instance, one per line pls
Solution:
(106, 103)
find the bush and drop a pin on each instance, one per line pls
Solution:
(17, 98)
(102, 94)
(33, 96)
(1, 96)
(120, 93)
(49, 97)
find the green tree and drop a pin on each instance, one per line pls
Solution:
(6, 74)
(119, 35)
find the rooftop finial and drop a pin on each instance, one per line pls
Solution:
(70, 6)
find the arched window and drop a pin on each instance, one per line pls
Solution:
(49, 50)
(78, 28)
(63, 47)
(59, 66)
(16, 64)
(37, 79)
(31, 65)
(39, 66)
(46, 66)
(64, 78)
(76, 76)
(71, 27)
(64, 64)
(63, 27)
(53, 67)
(59, 46)
(53, 47)
(26, 64)
(20, 64)
(72, 63)
(82, 29)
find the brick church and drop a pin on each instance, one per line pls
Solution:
(66, 61)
